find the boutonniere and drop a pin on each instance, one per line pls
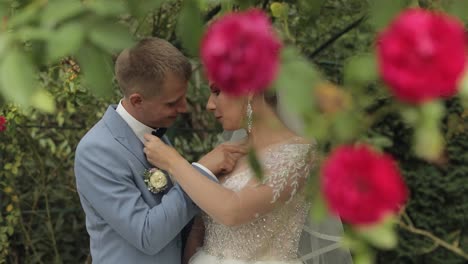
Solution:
(155, 180)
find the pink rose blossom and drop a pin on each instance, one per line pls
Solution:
(361, 185)
(2, 123)
(422, 55)
(240, 52)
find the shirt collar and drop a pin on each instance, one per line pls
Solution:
(137, 127)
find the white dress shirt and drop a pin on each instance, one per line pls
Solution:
(141, 129)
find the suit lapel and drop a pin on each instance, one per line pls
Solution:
(125, 136)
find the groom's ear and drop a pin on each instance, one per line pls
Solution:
(135, 99)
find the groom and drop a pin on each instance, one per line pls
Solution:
(126, 222)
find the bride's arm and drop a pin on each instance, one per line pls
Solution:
(218, 202)
(224, 205)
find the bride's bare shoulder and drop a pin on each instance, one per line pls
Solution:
(302, 141)
(292, 147)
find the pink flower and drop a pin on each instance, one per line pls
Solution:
(2, 123)
(422, 55)
(361, 185)
(241, 52)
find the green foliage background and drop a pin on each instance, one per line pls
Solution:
(41, 219)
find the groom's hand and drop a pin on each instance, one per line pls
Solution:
(223, 158)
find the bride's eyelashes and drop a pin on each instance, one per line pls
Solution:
(214, 90)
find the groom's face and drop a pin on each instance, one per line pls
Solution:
(162, 110)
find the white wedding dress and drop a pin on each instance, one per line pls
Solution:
(272, 238)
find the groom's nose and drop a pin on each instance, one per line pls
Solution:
(182, 107)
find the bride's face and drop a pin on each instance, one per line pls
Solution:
(228, 110)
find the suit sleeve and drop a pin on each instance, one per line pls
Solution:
(106, 183)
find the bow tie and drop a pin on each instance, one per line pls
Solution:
(159, 132)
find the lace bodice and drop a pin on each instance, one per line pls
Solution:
(275, 235)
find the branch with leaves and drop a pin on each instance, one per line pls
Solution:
(454, 247)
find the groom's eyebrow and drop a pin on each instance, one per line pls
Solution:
(176, 100)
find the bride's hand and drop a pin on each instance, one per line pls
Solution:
(223, 158)
(159, 154)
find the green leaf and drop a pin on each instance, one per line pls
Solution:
(59, 10)
(140, 8)
(111, 37)
(410, 115)
(345, 126)
(463, 90)
(361, 70)
(4, 9)
(97, 70)
(382, 12)
(255, 164)
(25, 15)
(43, 101)
(319, 209)
(244, 4)
(310, 9)
(457, 8)
(363, 257)
(226, 7)
(27, 33)
(432, 111)
(381, 142)
(10, 230)
(66, 41)
(279, 10)
(107, 7)
(5, 40)
(428, 142)
(190, 27)
(60, 119)
(17, 77)
(381, 235)
(317, 126)
(295, 81)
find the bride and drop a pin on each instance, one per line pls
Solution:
(247, 219)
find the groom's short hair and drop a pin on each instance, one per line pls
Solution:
(143, 68)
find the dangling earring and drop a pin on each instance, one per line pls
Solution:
(249, 117)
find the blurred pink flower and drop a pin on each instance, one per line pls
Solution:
(422, 55)
(241, 53)
(2, 123)
(361, 185)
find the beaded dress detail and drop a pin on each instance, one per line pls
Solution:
(273, 237)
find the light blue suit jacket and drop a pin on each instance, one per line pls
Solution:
(126, 223)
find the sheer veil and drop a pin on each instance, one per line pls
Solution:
(320, 242)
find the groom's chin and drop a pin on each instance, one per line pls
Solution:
(169, 121)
